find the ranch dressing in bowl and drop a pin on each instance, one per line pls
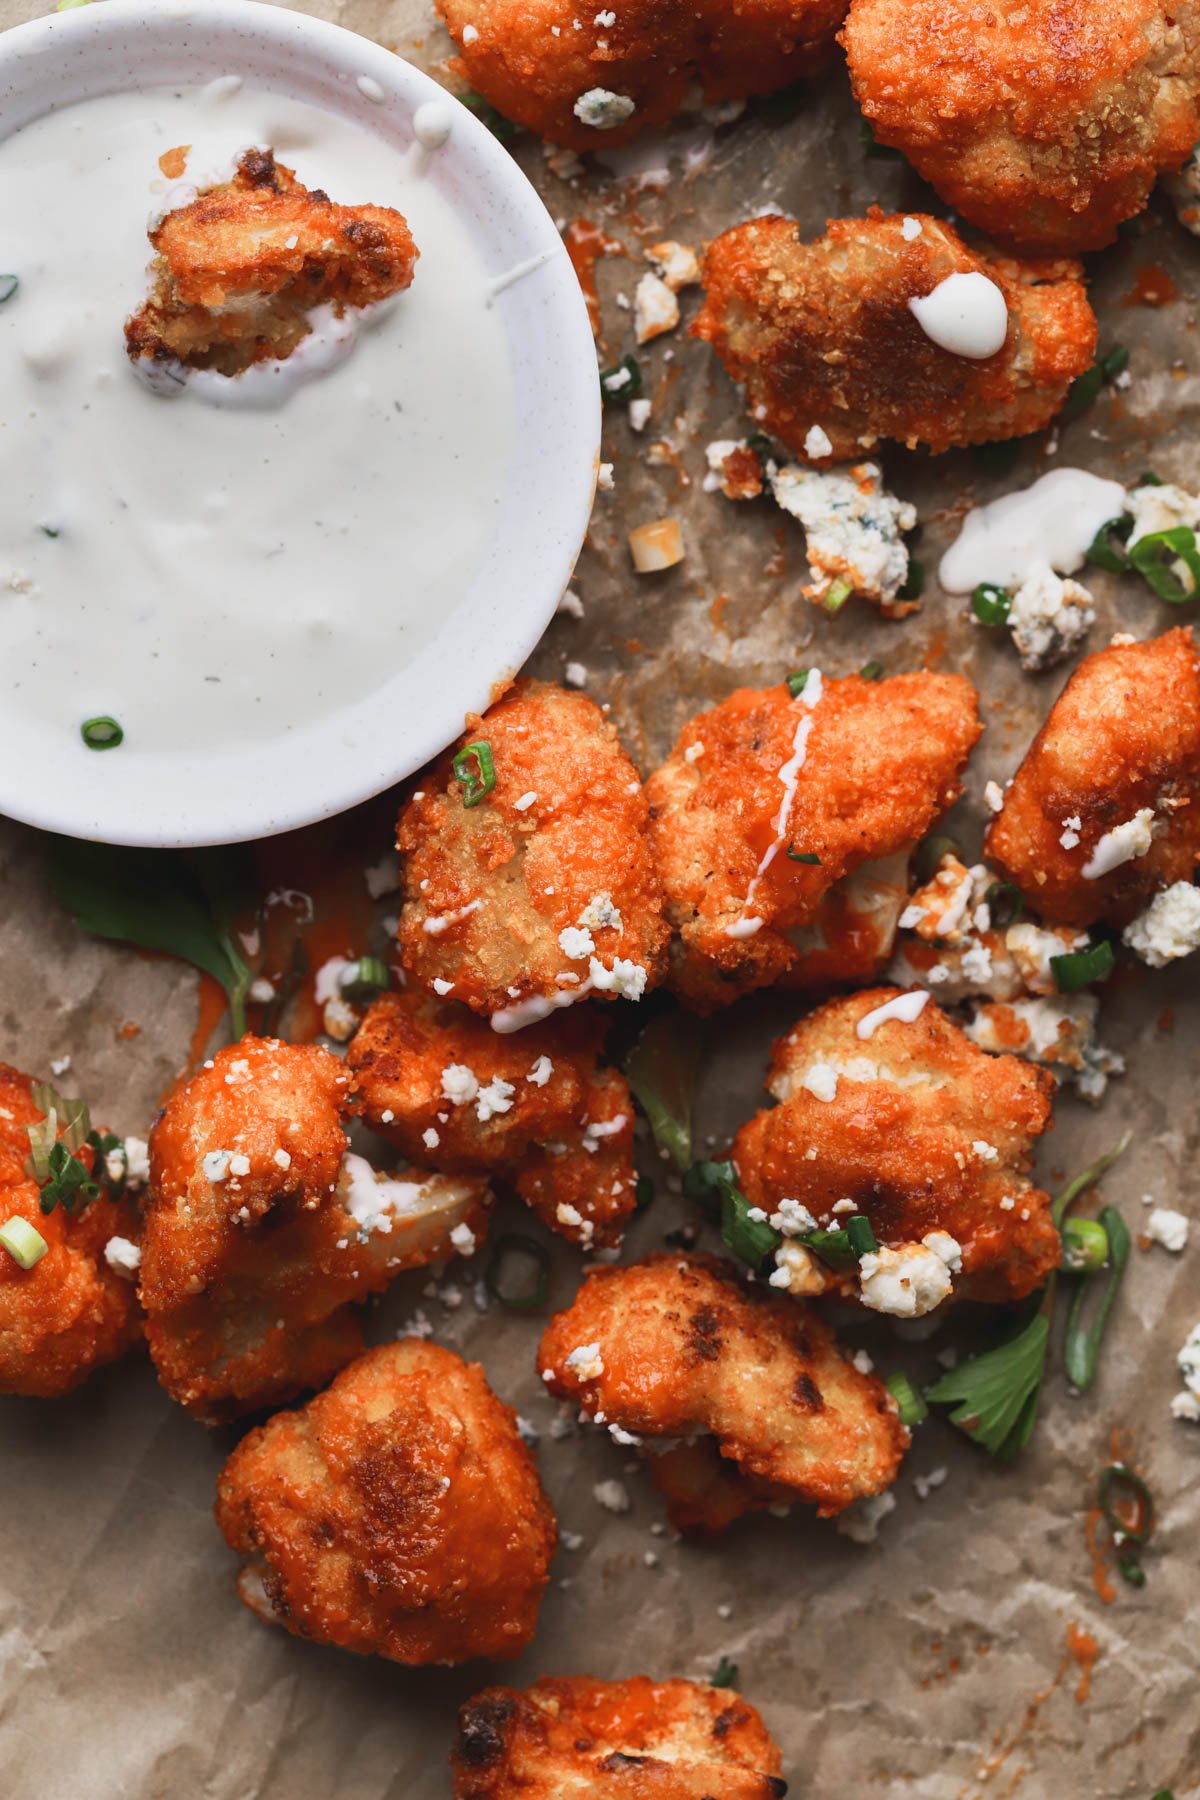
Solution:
(228, 561)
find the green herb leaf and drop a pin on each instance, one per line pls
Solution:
(726, 1675)
(661, 1069)
(751, 1239)
(1081, 1349)
(70, 1185)
(803, 856)
(1080, 967)
(995, 1394)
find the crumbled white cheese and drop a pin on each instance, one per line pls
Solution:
(795, 1220)
(797, 1271)
(1169, 1228)
(677, 263)
(1169, 927)
(626, 977)
(639, 413)
(575, 675)
(600, 913)
(912, 1280)
(817, 443)
(215, 1164)
(525, 802)
(923, 1485)
(1124, 843)
(993, 795)
(282, 1159)
(459, 1084)
(137, 1161)
(430, 1138)
(1068, 837)
(576, 943)
(861, 1521)
(655, 308)
(602, 109)
(852, 525)
(496, 1097)
(123, 1256)
(821, 1080)
(586, 1361)
(1187, 1404)
(442, 987)
(463, 1239)
(612, 1495)
(910, 229)
(541, 1071)
(1048, 616)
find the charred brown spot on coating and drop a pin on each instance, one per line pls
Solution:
(807, 1394)
(481, 1726)
(619, 1759)
(260, 170)
(704, 1334)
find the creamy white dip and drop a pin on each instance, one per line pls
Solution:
(214, 572)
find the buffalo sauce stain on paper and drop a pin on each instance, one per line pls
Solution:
(1152, 287)
(210, 1008)
(1083, 1649)
(585, 243)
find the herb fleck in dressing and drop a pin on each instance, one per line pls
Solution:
(227, 572)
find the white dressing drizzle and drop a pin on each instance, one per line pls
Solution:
(966, 314)
(1053, 522)
(905, 1007)
(536, 1008)
(746, 924)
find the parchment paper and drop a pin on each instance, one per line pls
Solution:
(932, 1664)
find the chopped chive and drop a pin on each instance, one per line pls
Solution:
(366, 978)
(863, 1241)
(8, 287)
(23, 1241)
(1062, 1202)
(1079, 967)
(1115, 363)
(515, 1245)
(990, 603)
(1081, 1347)
(623, 381)
(1083, 392)
(101, 733)
(1131, 1570)
(1157, 558)
(796, 682)
(1107, 549)
(913, 585)
(871, 671)
(908, 1398)
(1085, 1246)
(726, 1674)
(1005, 902)
(1127, 1504)
(477, 782)
(643, 1193)
(804, 856)
(833, 1247)
(836, 595)
(50, 531)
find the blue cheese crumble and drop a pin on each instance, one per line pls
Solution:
(602, 109)
(853, 528)
(1048, 617)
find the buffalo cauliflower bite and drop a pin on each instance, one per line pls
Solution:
(769, 800)
(536, 1107)
(74, 1308)
(677, 1346)
(637, 1739)
(1045, 124)
(824, 334)
(525, 898)
(1105, 808)
(261, 1229)
(240, 267)
(591, 80)
(398, 1514)
(886, 1109)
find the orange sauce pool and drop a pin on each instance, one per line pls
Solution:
(585, 244)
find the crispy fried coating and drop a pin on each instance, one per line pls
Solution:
(544, 889)
(70, 1312)
(822, 334)
(923, 1132)
(260, 1231)
(1047, 123)
(398, 1514)
(239, 269)
(574, 1738)
(1118, 757)
(436, 1081)
(539, 61)
(856, 774)
(676, 1345)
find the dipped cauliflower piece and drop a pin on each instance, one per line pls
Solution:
(887, 1110)
(398, 1514)
(631, 1739)
(72, 1308)
(1105, 808)
(770, 799)
(538, 890)
(537, 1108)
(261, 1229)
(676, 1346)
(1046, 124)
(240, 267)
(823, 335)
(594, 80)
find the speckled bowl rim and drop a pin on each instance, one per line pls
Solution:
(227, 794)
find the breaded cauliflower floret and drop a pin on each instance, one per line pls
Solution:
(72, 1309)
(823, 334)
(676, 1346)
(852, 933)
(436, 1081)
(240, 267)
(1046, 123)
(591, 79)
(1105, 808)
(541, 891)
(768, 800)
(398, 1514)
(883, 1103)
(571, 1736)
(261, 1230)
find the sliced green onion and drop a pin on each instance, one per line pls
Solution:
(873, 148)
(1148, 478)
(501, 128)
(101, 733)
(1005, 902)
(643, 1193)
(796, 682)
(726, 1675)
(913, 585)
(863, 1241)
(1115, 362)
(366, 978)
(8, 287)
(1081, 1348)
(715, 1185)
(1131, 1570)
(1156, 556)
(1107, 549)
(23, 1241)
(836, 595)
(871, 671)
(804, 856)
(480, 780)
(50, 531)
(1127, 1504)
(1079, 967)
(1085, 1246)
(661, 1069)
(515, 1244)
(908, 1398)
(930, 854)
(833, 1247)
(623, 381)
(990, 603)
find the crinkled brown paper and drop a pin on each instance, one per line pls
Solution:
(933, 1663)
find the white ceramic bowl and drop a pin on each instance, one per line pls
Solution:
(224, 794)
